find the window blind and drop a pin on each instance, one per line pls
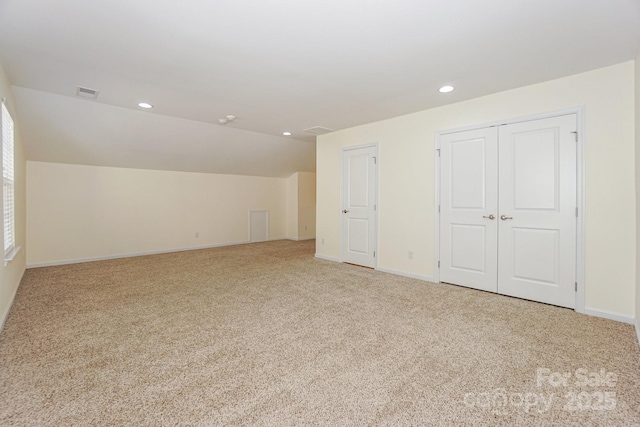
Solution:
(8, 191)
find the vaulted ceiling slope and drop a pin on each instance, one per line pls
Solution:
(277, 65)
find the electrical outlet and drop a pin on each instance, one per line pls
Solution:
(197, 234)
(410, 254)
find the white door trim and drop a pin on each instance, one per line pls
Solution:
(580, 181)
(375, 237)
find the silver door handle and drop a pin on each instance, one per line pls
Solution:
(504, 218)
(345, 211)
(491, 217)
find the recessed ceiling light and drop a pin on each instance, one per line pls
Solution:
(144, 105)
(226, 120)
(286, 133)
(445, 89)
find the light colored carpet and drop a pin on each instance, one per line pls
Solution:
(265, 334)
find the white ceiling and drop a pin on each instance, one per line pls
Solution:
(277, 65)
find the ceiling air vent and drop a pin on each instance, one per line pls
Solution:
(318, 130)
(85, 92)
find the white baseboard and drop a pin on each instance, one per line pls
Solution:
(296, 239)
(129, 255)
(5, 313)
(134, 254)
(405, 274)
(327, 258)
(384, 270)
(609, 315)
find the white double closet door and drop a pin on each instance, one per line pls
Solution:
(508, 209)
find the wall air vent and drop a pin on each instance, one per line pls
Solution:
(85, 92)
(318, 130)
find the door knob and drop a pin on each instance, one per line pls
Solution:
(345, 211)
(504, 217)
(491, 217)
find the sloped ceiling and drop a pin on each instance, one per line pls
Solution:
(278, 65)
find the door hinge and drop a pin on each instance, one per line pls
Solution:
(438, 208)
(375, 207)
(375, 161)
(438, 150)
(575, 133)
(374, 254)
(438, 264)
(576, 288)
(576, 212)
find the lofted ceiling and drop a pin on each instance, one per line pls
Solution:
(277, 65)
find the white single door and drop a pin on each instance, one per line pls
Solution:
(469, 208)
(359, 193)
(537, 210)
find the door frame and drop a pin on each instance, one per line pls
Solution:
(580, 189)
(375, 219)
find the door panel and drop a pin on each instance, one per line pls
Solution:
(468, 173)
(535, 170)
(537, 237)
(358, 229)
(359, 206)
(469, 183)
(540, 246)
(469, 242)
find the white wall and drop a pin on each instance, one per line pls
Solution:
(292, 207)
(82, 212)
(306, 205)
(637, 159)
(301, 206)
(11, 275)
(406, 177)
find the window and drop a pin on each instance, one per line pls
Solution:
(8, 184)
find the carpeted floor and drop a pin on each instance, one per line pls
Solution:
(266, 334)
